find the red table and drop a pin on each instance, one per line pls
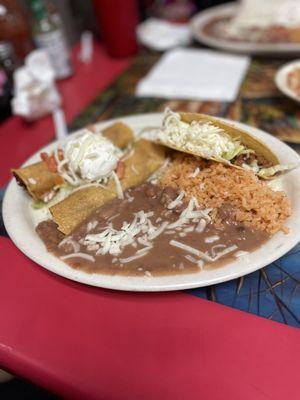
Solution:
(87, 343)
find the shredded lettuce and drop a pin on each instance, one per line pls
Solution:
(62, 192)
(236, 151)
(267, 173)
(38, 204)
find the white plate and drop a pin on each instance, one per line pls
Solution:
(281, 79)
(201, 19)
(20, 222)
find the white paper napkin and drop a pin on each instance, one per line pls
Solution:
(195, 74)
(35, 93)
(162, 35)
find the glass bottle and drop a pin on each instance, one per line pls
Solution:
(14, 27)
(8, 63)
(48, 34)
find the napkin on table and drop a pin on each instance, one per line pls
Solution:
(162, 35)
(195, 74)
(35, 92)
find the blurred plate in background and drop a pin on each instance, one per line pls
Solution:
(282, 82)
(201, 19)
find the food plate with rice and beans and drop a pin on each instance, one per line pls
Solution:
(157, 202)
(258, 27)
(287, 79)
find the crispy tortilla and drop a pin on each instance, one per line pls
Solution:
(39, 181)
(146, 158)
(272, 171)
(250, 142)
(245, 138)
(120, 134)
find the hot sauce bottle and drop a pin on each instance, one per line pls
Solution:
(49, 34)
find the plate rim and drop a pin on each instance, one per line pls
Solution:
(140, 284)
(280, 79)
(267, 49)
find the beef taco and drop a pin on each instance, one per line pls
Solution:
(213, 139)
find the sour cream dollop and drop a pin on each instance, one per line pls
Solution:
(92, 156)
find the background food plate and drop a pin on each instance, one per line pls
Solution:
(281, 79)
(20, 221)
(226, 10)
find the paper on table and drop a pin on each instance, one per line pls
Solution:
(195, 74)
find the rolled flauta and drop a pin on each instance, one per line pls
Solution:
(39, 181)
(120, 134)
(146, 158)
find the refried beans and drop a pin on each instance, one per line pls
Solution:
(152, 231)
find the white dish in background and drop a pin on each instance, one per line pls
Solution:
(161, 35)
(281, 79)
(200, 20)
(20, 222)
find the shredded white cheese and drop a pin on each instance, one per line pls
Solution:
(191, 258)
(128, 197)
(215, 247)
(202, 138)
(85, 256)
(132, 258)
(199, 253)
(195, 173)
(212, 239)
(158, 231)
(91, 225)
(128, 155)
(113, 241)
(86, 185)
(201, 226)
(113, 217)
(225, 251)
(158, 173)
(119, 189)
(177, 201)
(48, 196)
(189, 249)
(144, 250)
(189, 229)
(200, 264)
(92, 247)
(32, 181)
(134, 169)
(142, 231)
(241, 253)
(188, 214)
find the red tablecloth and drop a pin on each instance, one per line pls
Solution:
(87, 343)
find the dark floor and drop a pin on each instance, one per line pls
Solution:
(17, 389)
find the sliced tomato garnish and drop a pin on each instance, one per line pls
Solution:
(120, 169)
